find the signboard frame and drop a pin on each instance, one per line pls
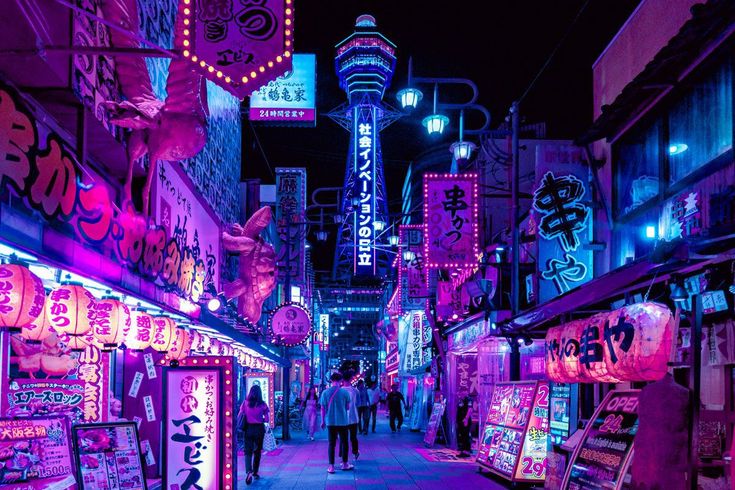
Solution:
(270, 396)
(435, 423)
(122, 424)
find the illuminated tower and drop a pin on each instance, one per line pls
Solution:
(365, 62)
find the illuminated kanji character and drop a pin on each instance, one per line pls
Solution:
(186, 437)
(299, 94)
(558, 199)
(564, 272)
(365, 129)
(624, 328)
(455, 200)
(17, 137)
(591, 350)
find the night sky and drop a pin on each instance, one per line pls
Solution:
(501, 52)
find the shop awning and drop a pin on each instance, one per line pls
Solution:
(710, 25)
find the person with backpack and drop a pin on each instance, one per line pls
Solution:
(363, 407)
(335, 403)
(253, 416)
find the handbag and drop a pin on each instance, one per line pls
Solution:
(269, 440)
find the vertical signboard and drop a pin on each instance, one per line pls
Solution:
(601, 458)
(290, 207)
(450, 220)
(412, 272)
(364, 192)
(564, 219)
(324, 330)
(290, 98)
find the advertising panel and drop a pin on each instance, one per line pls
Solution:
(532, 461)
(562, 411)
(450, 220)
(28, 397)
(35, 453)
(364, 151)
(437, 412)
(109, 456)
(290, 98)
(290, 206)
(601, 459)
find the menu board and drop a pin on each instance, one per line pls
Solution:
(516, 429)
(562, 408)
(602, 457)
(109, 456)
(436, 418)
(35, 453)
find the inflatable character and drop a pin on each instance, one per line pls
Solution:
(257, 271)
(172, 130)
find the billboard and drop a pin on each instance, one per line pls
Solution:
(290, 207)
(290, 98)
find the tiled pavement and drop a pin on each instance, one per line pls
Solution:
(386, 461)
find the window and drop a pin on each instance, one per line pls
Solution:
(638, 164)
(700, 124)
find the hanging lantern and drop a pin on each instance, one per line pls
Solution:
(196, 340)
(22, 296)
(205, 343)
(181, 346)
(140, 335)
(164, 334)
(215, 347)
(38, 330)
(111, 323)
(70, 310)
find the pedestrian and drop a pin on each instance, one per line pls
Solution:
(363, 406)
(353, 415)
(395, 411)
(254, 417)
(383, 397)
(335, 402)
(464, 420)
(310, 412)
(374, 395)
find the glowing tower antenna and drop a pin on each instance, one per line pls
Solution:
(365, 62)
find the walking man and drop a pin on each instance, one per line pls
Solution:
(335, 402)
(374, 395)
(353, 418)
(395, 411)
(363, 406)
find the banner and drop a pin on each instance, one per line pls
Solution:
(412, 274)
(632, 343)
(237, 45)
(413, 334)
(450, 220)
(324, 331)
(35, 453)
(561, 205)
(290, 207)
(364, 193)
(601, 458)
(290, 98)
(466, 375)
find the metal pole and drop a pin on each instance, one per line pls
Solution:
(696, 384)
(515, 224)
(286, 380)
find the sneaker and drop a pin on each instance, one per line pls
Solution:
(347, 467)
(356, 456)
(249, 478)
(256, 476)
(330, 468)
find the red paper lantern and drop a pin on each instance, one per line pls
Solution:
(70, 310)
(22, 296)
(181, 346)
(164, 334)
(38, 330)
(140, 335)
(111, 324)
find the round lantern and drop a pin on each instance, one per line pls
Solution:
(22, 296)
(111, 323)
(181, 346)
(196, 339)
(70, 310)
(215, 347)
(226, 349)
(205, 343)
(164, 334)
(140, 335)
(38, 330)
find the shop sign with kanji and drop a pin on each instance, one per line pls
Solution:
(632, 343)
(290, 223)
(450, 220)
(238, 45)
(290, 324)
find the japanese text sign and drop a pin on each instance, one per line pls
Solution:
(413, 334)
(290, 97)
(324, 331)
(632, 343)
(290, 324)
(364, 151)
(602, 456)
(28, 397)
(194, 422)
(450, 218)
(564, 219)
(290, 207)
(238, 45)
(412, 273)
(466, 375)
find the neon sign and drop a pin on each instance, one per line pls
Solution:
(364, 143)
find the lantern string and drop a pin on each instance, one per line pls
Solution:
(645, 298)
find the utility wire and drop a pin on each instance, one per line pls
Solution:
(553, 53)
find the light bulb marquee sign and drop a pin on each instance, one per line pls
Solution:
(290, 324)
(239, 45)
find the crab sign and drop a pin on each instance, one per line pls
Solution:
(257, 270)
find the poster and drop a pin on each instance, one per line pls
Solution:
(265, 381)
(434, 422)
(35, 453)
(602, 456)
(561, 418)
(515, 435)
(450, 219)
(109, 456)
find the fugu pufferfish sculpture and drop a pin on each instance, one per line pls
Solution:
(257, 270)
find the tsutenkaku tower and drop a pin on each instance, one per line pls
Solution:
(364, 62)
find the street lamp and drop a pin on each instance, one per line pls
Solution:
(435, 123)
(409, 97)
(393, 240)
(462, 150)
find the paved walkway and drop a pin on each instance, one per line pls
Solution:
(386, 461)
